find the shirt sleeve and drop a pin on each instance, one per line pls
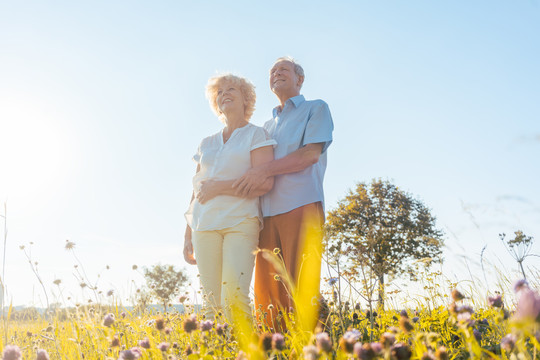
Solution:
(319, 126)
(261, 138)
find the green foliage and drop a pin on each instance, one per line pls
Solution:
(164, 282)
(383, 229)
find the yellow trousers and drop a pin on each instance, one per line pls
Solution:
(225, 259)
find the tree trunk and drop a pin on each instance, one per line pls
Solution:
(381, 292)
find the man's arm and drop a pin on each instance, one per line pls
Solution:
(294, 162)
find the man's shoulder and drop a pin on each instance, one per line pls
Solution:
(316, 103)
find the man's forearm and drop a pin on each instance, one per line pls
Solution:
(224, 187)
(295, 161)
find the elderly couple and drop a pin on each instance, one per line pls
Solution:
(256, 188)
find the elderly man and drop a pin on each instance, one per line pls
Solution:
(294, 208)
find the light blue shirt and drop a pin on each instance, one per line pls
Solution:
(299, 123)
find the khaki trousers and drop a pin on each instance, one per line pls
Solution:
(225, 259)
(286, 232)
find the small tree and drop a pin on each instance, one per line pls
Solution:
(382, 229)
(164, 282)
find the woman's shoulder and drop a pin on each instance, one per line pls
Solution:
(211, 139)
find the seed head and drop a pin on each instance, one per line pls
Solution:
(115, 341)
(108, 320)
(441, 353)
(400, 352)
(265, 342)
(520, 285)
(131, 354)
(207, 325)
(495, 301)
(457, 296)
(164, 346)
(191, 323)
(310, 352)
(278, 342)
(160, 324)
(42, 355)
(323, 342)
(508, 342)
(145, 343)
(387, 339)
(405, 325)
(70, 245)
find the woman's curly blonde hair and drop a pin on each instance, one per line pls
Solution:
(245, 86)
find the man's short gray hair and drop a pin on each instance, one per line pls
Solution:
(297, 67)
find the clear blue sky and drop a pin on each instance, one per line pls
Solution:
(102, 106)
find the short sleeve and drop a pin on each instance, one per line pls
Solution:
(261, 138)
(319, 126)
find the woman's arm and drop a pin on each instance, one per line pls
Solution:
(188, 245)
(212, 188)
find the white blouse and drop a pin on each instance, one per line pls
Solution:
(226, 161)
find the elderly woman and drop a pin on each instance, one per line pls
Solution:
(223, 228)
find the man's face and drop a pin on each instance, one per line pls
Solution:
(283, 79)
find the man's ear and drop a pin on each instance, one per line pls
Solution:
(300, 81)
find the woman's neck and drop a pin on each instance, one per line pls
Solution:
(235, 122)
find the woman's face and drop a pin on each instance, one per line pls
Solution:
(229, 97)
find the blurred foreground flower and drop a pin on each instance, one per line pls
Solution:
(42, 355)
(528, 306)
(12, 352)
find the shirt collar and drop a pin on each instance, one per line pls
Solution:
(295, 100)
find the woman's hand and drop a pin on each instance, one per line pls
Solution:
(188, 250)
(207, 191)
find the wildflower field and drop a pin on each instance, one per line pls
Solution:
(458, 330)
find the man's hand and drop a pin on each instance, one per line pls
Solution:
(250, 180)
(188, 251)
(207, 191)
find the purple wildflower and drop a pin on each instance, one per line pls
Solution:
(265, 341)
(164, 346)
(477, 335)
(528, 306)
(377, 347)
(42, 355)
(221, 328)
(332, 281)
(207, 325)
(278, 342)
(12, 352)
(401, 352)
(364, 351)
(441, 353)
(131, 354)
(108, 320)
(508, 342)
(387, 339)
(323, 341)
(145, 343)
(191, 323)
(520, 285)
(310, 352)
(495, 301)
